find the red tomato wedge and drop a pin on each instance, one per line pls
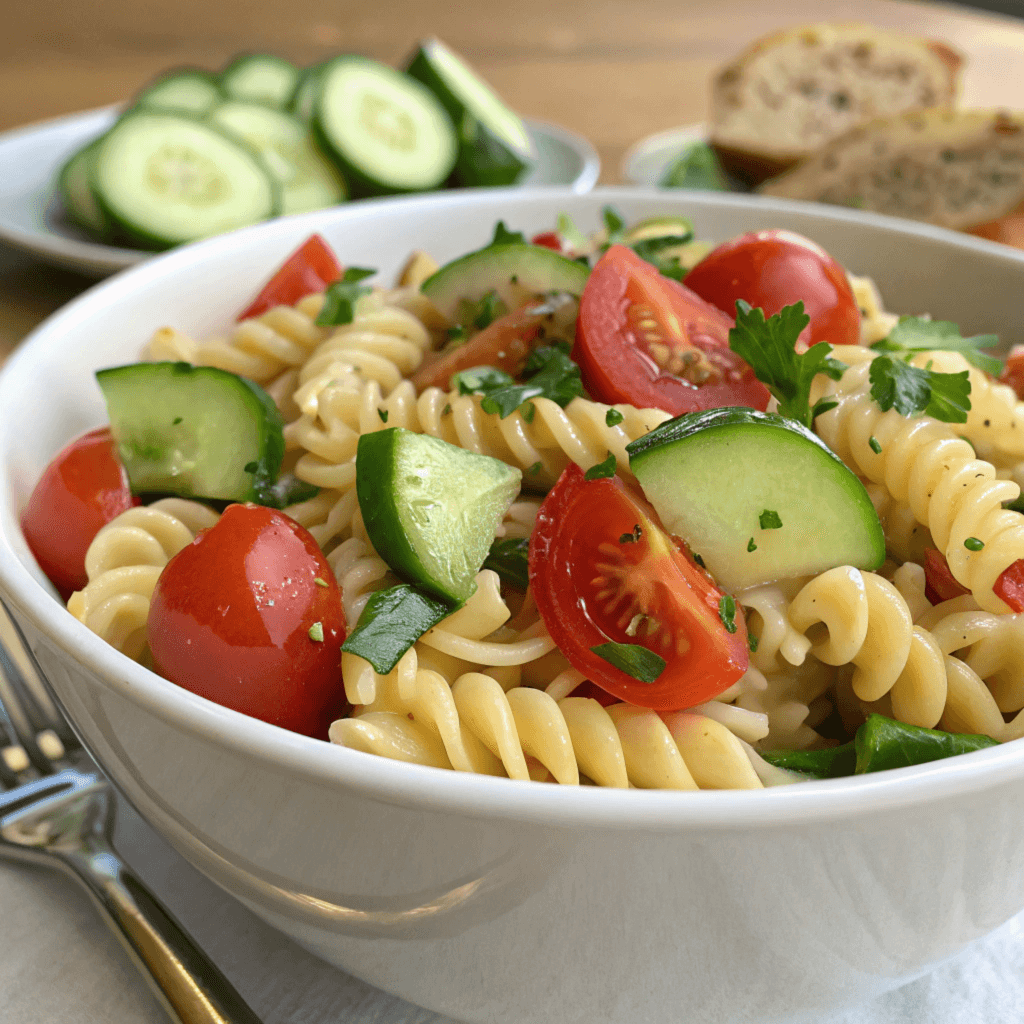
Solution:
(240, 618)
(80, 491)
(311, 268)
(940, 584)
(603, 570)
(1010, 586)
(773, 269)
(645, 340)
(505, 344)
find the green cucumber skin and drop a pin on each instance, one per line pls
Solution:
(88, 216)
(135, 392)
(361, 184)
(536, 268)
(736, 452)
(135, 234)
(383, 501)
(240, 66)
(483, 158)
(149, 96)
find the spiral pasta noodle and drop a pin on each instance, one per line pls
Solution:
(923, 463)
(123, 563)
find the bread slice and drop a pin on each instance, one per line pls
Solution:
(791, 92)
(954, 168)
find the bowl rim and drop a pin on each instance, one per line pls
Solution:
(410, 785)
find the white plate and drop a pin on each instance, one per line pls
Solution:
(31, 217)
(646, 162)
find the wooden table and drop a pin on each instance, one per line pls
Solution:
(610, 70)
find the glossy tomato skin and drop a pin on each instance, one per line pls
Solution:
(631, 316)
(231, 615)
(80, 491)
(311, 268)
(597, 578)
(773, 269)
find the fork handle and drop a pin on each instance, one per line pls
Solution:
(188, 984)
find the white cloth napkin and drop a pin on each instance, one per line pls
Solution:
(59, 963)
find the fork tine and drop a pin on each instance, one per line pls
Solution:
(15, 715)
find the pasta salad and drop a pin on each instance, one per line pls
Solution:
(618, 509)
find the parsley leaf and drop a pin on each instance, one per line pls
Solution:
(392, 621)
(727, 612)
(696, 167)
(634, 660)
(602, 469)
(650, 249)
(549, 373)
(769, 519)
(917, 334)
(479, 314)
(612, 418)
(340, 298)
(502, 235)
(768, 346)
(614, 225)
(508, 557)
(910, 390)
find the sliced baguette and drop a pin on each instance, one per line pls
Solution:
(790, 93)
(954, 168)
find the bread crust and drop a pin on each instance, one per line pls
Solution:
(955, 168)
(793, 91)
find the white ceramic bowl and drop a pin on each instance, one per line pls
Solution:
(492, 900)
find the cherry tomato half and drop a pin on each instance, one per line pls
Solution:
(940, 584)
(772, 269)
(311, 268)
(648, 341)
(1013, 371)
(240, 618)
(80, 491)
(603, 570)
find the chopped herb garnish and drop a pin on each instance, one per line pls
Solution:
(527, 410)
(456, 336)
(176, 420)
(287, 490)
(612, 418)
(392, 621)
(383, 414)
(634, 660)
(874, 444)
(751, 546)
(251, 467)
(768, 346)
(549, 373)
(652, 250)
(446, 411)
(973, 544)
(502, 235)
(752, 642)
(316, 632)
(727, 612)
(481, 313)
(919, 334)
(633, 537)
(910, 390)
(535, 468)
(614, 225)
(602, 469)
(508, 557)
(769, 520)
(699, 560)
(319, 581)
(340, 298)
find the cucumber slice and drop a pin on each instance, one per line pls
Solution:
(166, 178)
(76, 195)
(260, 78)
(494, 145)
(194, 431)
(188, 90)
(387, 132)
(431, 508)
(303, 100)
(307, 178)
(514, 270)
(716, 477)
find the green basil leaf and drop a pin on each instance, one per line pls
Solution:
(509, 558)
(634, 660)
(883, 743)
(602, 469)
(340, 298)
(502, 235)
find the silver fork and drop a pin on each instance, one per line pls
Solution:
(59, 811)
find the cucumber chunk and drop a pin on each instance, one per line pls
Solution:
(387, 132)
(724, 480)
(188, 90)
(514, 270)
(167, 178)
(194, 431)
(431, 508)
(303, 100)
(76, 195)
(260, 78)
(494, 145)
(307, 178)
